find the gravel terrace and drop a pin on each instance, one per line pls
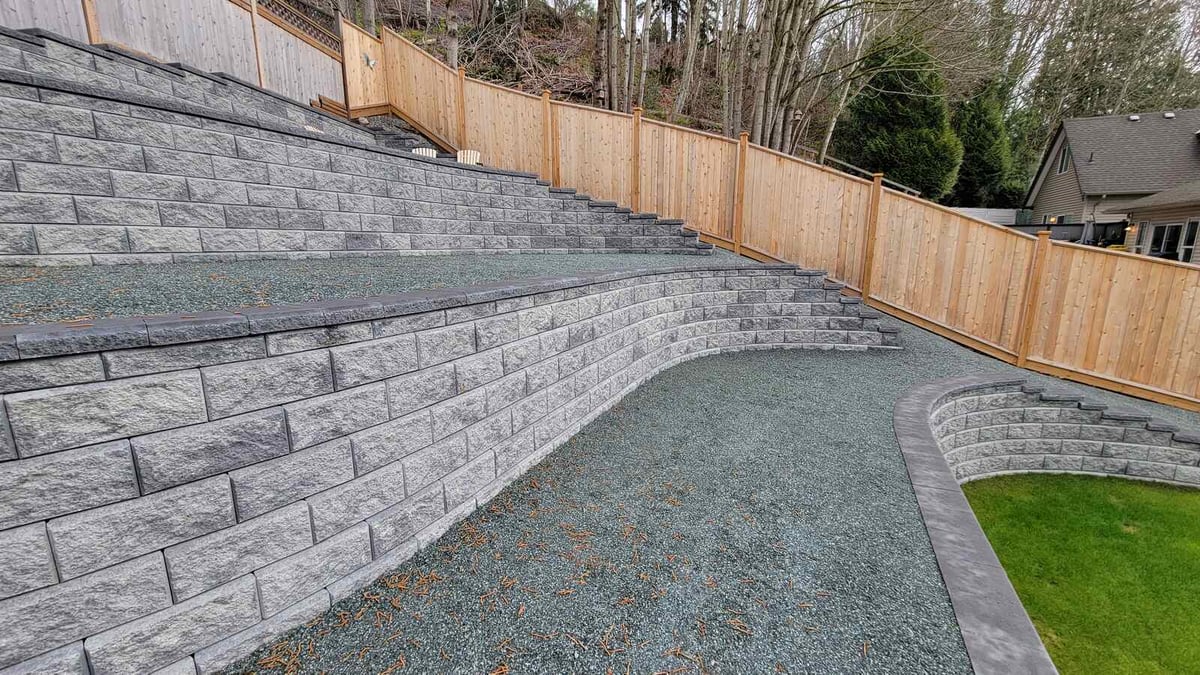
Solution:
(44, 294)
(740, 513)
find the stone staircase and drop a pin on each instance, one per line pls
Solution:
(109, 158)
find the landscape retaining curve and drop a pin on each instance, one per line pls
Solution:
(175, 490)
(957, 430)
(90, 175)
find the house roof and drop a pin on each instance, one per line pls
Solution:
(1180, 195)
(1114, 155)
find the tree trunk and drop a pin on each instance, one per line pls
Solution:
(614, 55)
(695, 12)
(646, 14)
(738, 86)
(762, 62)
(630, 41)
(451, 42)
(600, 61)
(429, 18)
(368, 10)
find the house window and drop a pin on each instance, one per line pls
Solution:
(1164, 243)
(1139, 245)
(1064, 159)
(1188, 248)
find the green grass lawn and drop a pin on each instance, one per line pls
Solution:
(1109, 569)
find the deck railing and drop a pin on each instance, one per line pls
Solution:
(1111, 319)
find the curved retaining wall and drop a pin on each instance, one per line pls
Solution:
(90, 175)
(179, 486)
(957, 430)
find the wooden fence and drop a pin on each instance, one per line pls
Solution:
(1115, 320)
(265, 42)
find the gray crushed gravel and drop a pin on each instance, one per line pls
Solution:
(764, 488)
(44, 294)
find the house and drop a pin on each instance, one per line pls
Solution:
(1165, 224)
(1097, 168)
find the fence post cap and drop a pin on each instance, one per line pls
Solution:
(877, 174)
(546, 93)
(1045, 234)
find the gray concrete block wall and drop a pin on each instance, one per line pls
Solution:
(999, 429)
(104, 176)
(196, 497)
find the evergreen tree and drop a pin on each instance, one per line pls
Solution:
(987, 152)
(900, 124)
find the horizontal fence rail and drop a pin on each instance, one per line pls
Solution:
(1119, 321)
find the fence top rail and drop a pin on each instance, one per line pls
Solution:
(426, 55)
(973, 219)
(1125, 254)
(347, 23)
(601, 111)
(507, 90)
(814, 165)
(698, 132)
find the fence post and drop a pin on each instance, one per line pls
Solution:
(461, 106)
(872, 227)
(91, 22)
(547, 138)
(254, 37)
(1033, 295)
(635, 162)
(739, 191)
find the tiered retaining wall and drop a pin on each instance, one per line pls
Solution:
(1019, 428)
(175, 490)
(957, 430)
(94, 176)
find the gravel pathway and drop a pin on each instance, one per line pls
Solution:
(749, 512)
(42, 294)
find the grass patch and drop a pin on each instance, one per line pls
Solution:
(1109, 569)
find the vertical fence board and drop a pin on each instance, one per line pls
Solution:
(64, 17)
(294, 68)
(366, 68)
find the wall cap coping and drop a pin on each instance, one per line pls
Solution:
(30, 341)
(998, 633)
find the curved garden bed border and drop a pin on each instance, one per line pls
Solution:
(955, 430)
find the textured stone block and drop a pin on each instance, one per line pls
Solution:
(55, 615)
(69, 660)
(217, 191)
(484, 435)
(402, 522)
(290, 580)
(80, 239)
(465, 482)
(205, 141)
(149, 186)
(164, 637)
(178, 163)
(65, 482)
(200, 564)
(228, 240)
(25, 560)
(421, 389)
(52, 372)
(32, 208)
(147, 360)
(281, 241)
(215, 657)
(316, 338)
(105, 154)
(115, 211)
(393, 440)
(176, 214)
(250, 385)
(36, 116)
(133, 130)
(425, 466)
(275, 483)
(17, 240)
(178, 456)
(62, 178)
(28, 145)
(87, 541)
(477, 370)
(458, 413)
(55, 419)
(374, 360)
(444, 344)
(344, 505)
(320, 419)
